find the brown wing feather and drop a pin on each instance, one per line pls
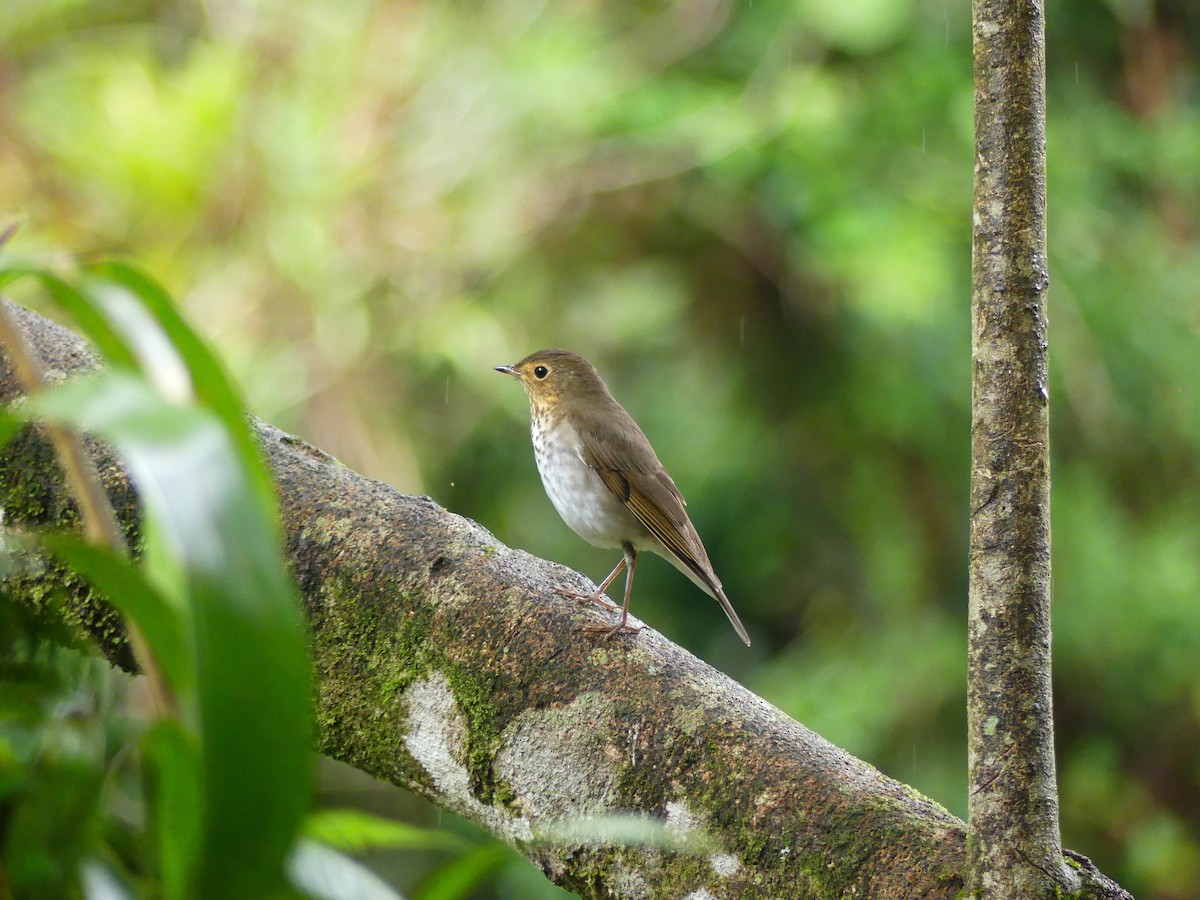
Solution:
(652, 496)
(612, 443)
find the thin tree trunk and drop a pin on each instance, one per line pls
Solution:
(1014, 845)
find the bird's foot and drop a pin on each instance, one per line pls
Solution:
(606, 631)
(596, 597)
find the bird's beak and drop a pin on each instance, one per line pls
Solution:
(508, 370)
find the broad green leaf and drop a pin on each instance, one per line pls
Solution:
(90, 320)
(353, 831)
(126, 587)
(12, 269)
(325, 874)
(456, 879)
(177, 804)
(99, 882)
(209, 381)
(158, 359)
(252, 672)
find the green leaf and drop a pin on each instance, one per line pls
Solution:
(51, 819)
(9, 426)
(353, 831)
(251, 662)
(209, 380)
(90, 321)
(12, 270)
(126, 587)
(455, 880)
(325, 874)
(177, 804)
(99, 882)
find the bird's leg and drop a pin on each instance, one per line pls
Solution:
(597, 596)
(630, 565)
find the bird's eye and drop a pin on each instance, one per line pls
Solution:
(540, 372)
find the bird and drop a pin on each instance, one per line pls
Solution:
(605, 480)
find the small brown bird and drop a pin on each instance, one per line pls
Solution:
(605, 479)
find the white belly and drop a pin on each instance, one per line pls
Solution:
(585, 504)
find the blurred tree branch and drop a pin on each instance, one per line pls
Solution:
(445, 664)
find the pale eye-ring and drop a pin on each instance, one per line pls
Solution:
(540, 372)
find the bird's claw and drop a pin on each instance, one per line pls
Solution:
(606, 631)
(594, 597)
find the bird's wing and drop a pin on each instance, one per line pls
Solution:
(654, 499)
(652, 496)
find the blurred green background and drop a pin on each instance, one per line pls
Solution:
(755, 218)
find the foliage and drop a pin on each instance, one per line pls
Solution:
(755, 218)
(202, 793)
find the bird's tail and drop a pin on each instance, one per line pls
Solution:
(733, 617)
(704, 578)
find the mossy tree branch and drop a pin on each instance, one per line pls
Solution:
(444, 663)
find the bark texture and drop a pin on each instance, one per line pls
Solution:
(445, 664)
(1014, 842)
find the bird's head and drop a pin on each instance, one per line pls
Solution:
(553, 376)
